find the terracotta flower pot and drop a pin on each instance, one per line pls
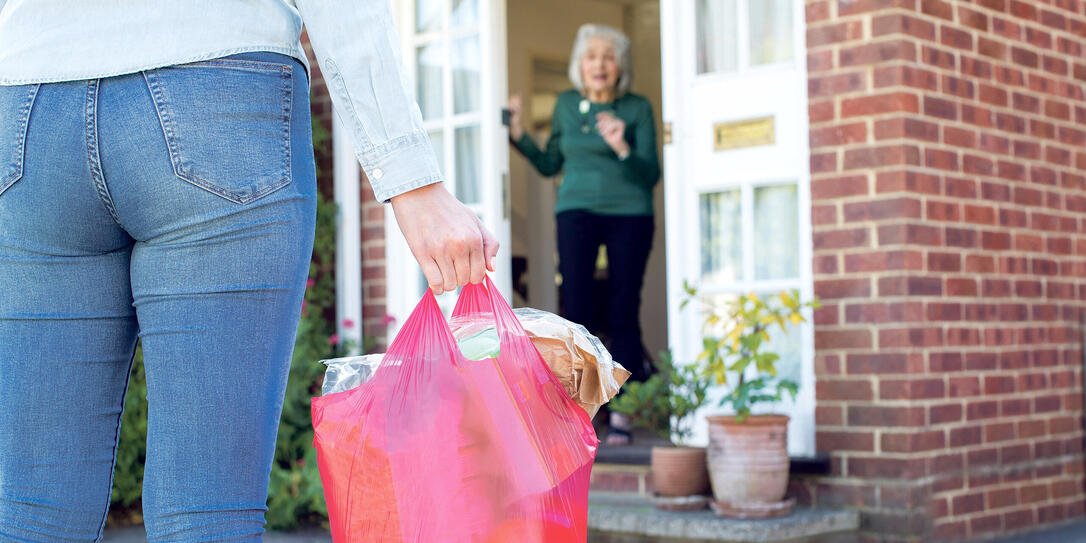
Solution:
(679, 471)
(748, 461)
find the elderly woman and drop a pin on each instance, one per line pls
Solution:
(604, 141)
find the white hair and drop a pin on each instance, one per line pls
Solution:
(621, 45)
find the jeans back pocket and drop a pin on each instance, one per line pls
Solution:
(226, 124)
(15, 105)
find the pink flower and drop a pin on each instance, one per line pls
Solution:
(387, 320)
(303, 307)
(309, 282)
(333, 339)
(348, 323)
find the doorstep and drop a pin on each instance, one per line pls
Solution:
(631, 518)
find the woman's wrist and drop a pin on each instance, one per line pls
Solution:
(516, 132)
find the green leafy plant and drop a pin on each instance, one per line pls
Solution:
(665, 402)
(736, 334)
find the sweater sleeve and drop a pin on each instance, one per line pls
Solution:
(643, 164)
(547, 162)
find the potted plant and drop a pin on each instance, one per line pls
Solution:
(747, 454)
(664, 404)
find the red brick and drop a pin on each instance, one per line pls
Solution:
(915, 389)
(883, 261)
(845, 441)
(839, 187)
(910, 337)
(874, 157)
(900, 127)
(861, 415)
(838, 390)
(880, 103)
(826, 136)
(842, 339)
(818, 35)
(876, 53)
(840, 239)
(957, 38)
(941, 414)
(961, 437)
(913, 442)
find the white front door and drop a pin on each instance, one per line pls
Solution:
(736, 173)
(454, 51)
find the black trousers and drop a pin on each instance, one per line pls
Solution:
(628, 240)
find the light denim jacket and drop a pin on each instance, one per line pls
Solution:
(355, 42)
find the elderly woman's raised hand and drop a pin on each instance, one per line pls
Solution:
(449, 241)
(515, 128)
(613, 130)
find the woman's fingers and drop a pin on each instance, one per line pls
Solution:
(443, 234)
(448, 274)
(432, 273)
(490, 246)
(476, 265)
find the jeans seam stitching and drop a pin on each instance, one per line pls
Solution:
(93, 158)
(116, 445)
(20, 150)
(252, 64)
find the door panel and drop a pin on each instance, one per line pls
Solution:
(735, 95)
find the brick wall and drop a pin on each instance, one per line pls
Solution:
(949, 216)
(373, 212)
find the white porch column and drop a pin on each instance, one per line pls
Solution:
(348, 237)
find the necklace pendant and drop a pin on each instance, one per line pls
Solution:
(583, 106)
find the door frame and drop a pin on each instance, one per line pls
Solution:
(678, 56)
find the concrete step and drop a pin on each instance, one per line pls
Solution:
(629, 518)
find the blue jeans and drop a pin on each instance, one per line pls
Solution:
(176, 205)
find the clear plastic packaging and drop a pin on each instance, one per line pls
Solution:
(577, 358)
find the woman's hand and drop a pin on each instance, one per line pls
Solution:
(613, 130)
(450, 243)
(515, 129)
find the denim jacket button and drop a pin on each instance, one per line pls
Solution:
(378, 173)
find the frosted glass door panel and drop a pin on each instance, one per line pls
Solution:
(466, 57)
(467, 164)
(716, 36)
(776, 232)
(721, 237)
(430, 59)
(770, 31)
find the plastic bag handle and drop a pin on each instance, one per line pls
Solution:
(485, 298)
(425, 321)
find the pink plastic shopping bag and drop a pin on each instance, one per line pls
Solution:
(439, 449)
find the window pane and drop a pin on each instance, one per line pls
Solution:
(429, 61)
(770, 31)
(465, 73)
(428, 15)
(721, 237)
(776, 232)
(467, 164)
(437, 139)
(465, 12)
(716, 36)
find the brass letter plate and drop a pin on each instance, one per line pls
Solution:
(744, 133)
